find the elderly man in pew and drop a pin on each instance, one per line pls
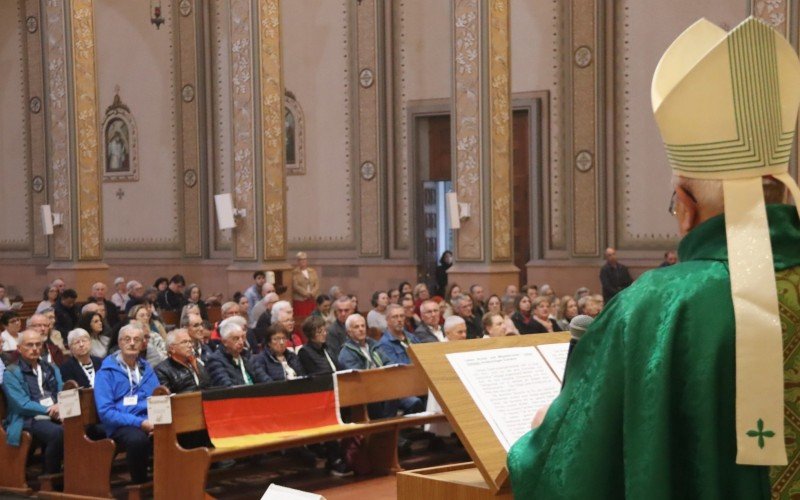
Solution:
(277, 361)
(31, 387)
(231, 365)
(81, 366)
(181, 371)
(193, 324)
(121, 389)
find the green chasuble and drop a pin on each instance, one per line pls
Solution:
(647, 410)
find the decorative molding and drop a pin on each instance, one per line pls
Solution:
(370, 129)
(298, 167)
(86, 124)
(243, 138)
(187, 116)
(557, 209)
(116, 114)
(220, 119)
(585, 107)
(467, 124)
(500, 130)
(402, 166)
(58, 140)
(273, 177)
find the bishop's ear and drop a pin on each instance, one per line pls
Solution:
(685, 211)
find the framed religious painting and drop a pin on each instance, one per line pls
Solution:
(119, 143)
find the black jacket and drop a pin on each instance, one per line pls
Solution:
(178, 377)
(170, 301)
(71, 370)
(314, 361)
(269, 364)
(66, 317)
(614, 279)
(223, 373)
(424, 334)
(337, 336)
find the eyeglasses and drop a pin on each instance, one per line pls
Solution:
(184, 342)
(130, 340)
(279, 340)
(673, 202)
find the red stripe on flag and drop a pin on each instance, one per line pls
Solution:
(260, 415)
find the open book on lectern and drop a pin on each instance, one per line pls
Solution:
(490, 390)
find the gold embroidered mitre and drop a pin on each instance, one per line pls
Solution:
(726, 105)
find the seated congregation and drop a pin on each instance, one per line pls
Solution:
(126, 347)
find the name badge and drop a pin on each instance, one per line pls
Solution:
(130, 400)
(46, 402)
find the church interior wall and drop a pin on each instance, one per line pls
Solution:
(143, 226)
(316, 51)
(140, 215)
(15, 215)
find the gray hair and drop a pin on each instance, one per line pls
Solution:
(392, 307)
(508, 302)
(90, 307)
(230, 325)
(334, 290)
(185, 318)
(459, 300)
(352, 319)
(452, 322)
(132, 326)
(227, 306)
(174, 333)
(270, 297)
(76, 334)
(278, 308)
(46, 310)
(132, 285)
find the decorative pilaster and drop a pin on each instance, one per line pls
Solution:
(84, 88)
(500, 130)
(58, 111)
(188, 18)
(482, 148)
(37, 152)
(273, 172)
(773, 12)
(371, 168)
(467, 125)
(584, 144)
(244, 242)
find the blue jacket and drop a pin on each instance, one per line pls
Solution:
(352, 358)
(112, 385)
(18, 396)
(270, 365)
(394, 350)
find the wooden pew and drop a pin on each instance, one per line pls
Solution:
(87, 463)
(27, 310)
(13, 458)
(356, 390)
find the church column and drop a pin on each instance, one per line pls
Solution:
(75, 162)
(481, 122)
(371, 166)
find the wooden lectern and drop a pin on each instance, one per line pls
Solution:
(486, 477)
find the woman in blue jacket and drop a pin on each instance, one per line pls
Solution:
(121, 389)
(277, 361)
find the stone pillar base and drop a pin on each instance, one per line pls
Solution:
(240, 276)
(494, 278)
(80, 276)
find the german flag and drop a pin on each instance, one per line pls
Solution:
(265, 413)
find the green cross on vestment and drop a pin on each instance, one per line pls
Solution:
(760, 433)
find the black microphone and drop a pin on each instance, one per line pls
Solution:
(577, 327)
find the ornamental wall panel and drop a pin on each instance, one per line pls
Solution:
(15, 187)
(421, 71)
(141, 215)
(642, 185)
(317, 70)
